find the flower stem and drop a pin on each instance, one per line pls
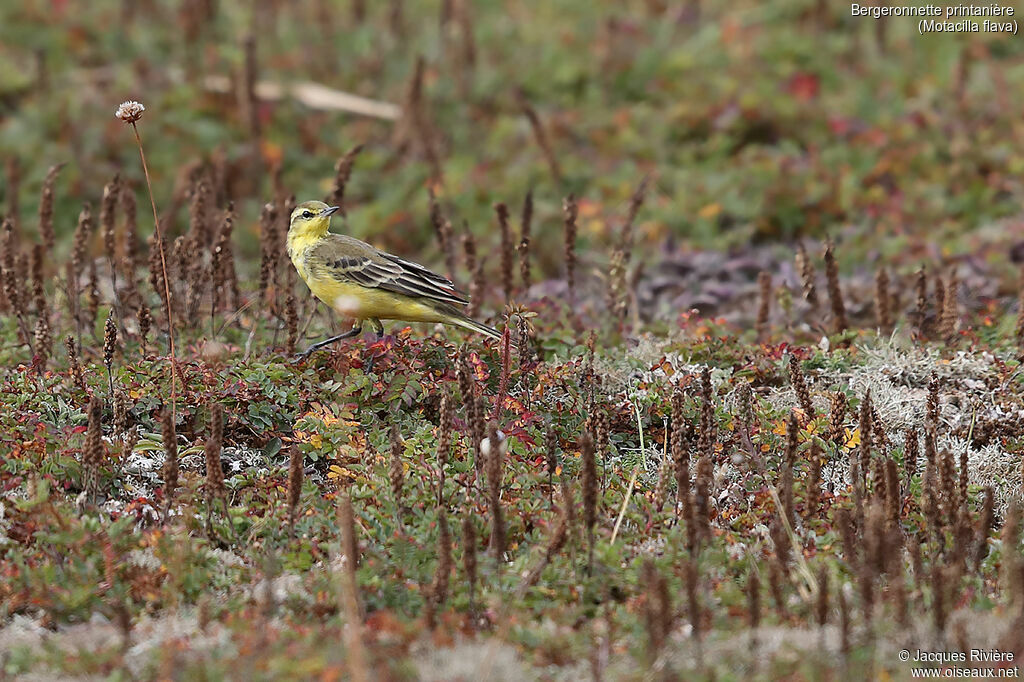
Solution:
(163, 266)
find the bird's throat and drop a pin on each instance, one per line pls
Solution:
(303, 237)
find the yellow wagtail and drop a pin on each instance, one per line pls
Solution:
(363, 283)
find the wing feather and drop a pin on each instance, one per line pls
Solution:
(378, 270)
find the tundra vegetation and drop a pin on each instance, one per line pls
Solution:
(756, 411)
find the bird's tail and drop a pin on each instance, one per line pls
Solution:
(473, 325)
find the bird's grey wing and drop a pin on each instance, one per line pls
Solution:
(357, 262)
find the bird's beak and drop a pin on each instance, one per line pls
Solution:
(330, 210)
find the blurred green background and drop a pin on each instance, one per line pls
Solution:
(757, 121)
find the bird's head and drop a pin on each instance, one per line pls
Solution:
(311, 218)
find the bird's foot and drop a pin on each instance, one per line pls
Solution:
(355, 331)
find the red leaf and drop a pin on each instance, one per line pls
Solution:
(479, 367)
(803, 86)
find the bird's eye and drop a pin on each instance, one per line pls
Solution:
(307, 214)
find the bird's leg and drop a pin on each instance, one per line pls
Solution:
(378, 328)
(354, 331)
(378, 332)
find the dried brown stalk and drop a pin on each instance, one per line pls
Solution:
(505, 231)
(932, 404)
(681, 459)
(568, 504)
(442, 573)
(6, 265)
(821, 604)
(789, 464)
(551, 461)
(474, 411)
(539, 134)
(291, 317)
(910, 454)
(467, 52)
(949, 319)
(145, 322)
(764, 305)
(445, 234)
(495, 453)
(524, 264)
(948, 486)
(962, 471)
(476, 273)
(76, 367)
(921, 302)
(699, 519)
(865, 425)
(807, 275)
(803, 395)
(225, 258)
(469, 563)
(526, 217)
(746, 407)
(42, 336)
(131, 247)
(109, 348)
(939, 612)
(444, 443)
(836, 417)
(295, 475)
(636, 201)
(396, 470)
(693, 607)
(776, 581)
(844, 623)
(940, 300)
(1010, 538)
(349, 590)
(835, 294)
(753, 600)
(1019, 329)
(342, 173)
(415, 124)
(570, 211)
(170, 469)
(931, 510)
(214, 488)
(247, 101)
(883, 301)
(588, 481)
(14, 282)
(618, 301)
(657, 607)
(93, 294)
(13, 172)
(984, 528)
(813, 482)
(556, 541)
(601, 431)
(269, 252)
(156, 275)
(893, 493)
(108, 225)
(46, 230)
(92, 452)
